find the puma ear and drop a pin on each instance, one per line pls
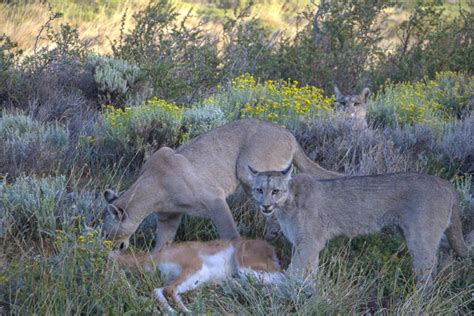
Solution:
(252, 172)
(287, 171)
(110, 196)
(365, 94)
(339, 96)
(117, 212)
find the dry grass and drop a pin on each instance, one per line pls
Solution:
(101, 21)
(22, 22)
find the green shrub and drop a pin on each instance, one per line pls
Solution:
(430, 41)
(29, 146)
(181, 61)
(405, 103)
(128, 135)
(338, 42)
(248, 46)
(200, 119)
(29, 206)
(282, 102)
(34, 208)
(455, 92)
(118, 81)
(432, 102)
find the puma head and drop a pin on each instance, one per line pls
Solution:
(270, 188)
(115, 226)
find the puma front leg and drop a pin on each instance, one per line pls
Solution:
(221, 216)
(305, 259)
(166, 228)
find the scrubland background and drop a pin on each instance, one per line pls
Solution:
(88, 94)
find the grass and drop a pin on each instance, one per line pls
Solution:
(75, 278)
(100, 21)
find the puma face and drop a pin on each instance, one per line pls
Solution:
(354, 105)
(270, 189)
(117, 226)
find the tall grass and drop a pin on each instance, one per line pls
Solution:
(76, 278)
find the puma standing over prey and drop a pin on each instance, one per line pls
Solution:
(312, 211)
(197, 177)
(188, 265)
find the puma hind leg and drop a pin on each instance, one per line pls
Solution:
(423, 245)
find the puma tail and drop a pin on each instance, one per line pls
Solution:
(306, 165)
(454, 231)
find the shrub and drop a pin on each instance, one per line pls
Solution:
(27, 146)
(405, 103)
(130, 134)
(281, 102)
(9, 59)
(34, 208)
(336, 146)
(449, 96)
(337, 43)
(181, 61)
(200, 119)
(118, 81)
(455, 92)
(456, 147)
(248, 46)
(430, 41)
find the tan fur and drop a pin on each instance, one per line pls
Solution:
(312, 211)
(198, 176)
(355, 107)
(201, 263)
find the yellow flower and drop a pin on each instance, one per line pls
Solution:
(108, 244)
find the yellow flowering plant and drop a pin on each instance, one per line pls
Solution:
(430, 102)
(124, 133)
(282, 102)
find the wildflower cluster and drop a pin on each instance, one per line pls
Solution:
(125, 132)
(281, 102)
(135, 118)
(83, 251)
(430, 102)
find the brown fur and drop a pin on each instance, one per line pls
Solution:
(188, 265)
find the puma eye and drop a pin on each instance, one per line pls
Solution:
(275, 192)
(259, 191)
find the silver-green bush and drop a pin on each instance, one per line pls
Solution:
(29, 146)
(200, 119)
(117, 80)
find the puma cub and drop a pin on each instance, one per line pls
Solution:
(188, 265)
(311, 211)
(355, 107)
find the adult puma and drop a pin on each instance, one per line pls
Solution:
(312, 211)
(197, 177)
(188, 265)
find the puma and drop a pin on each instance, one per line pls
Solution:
(197, 177)
(311, 211)
(355, 107)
